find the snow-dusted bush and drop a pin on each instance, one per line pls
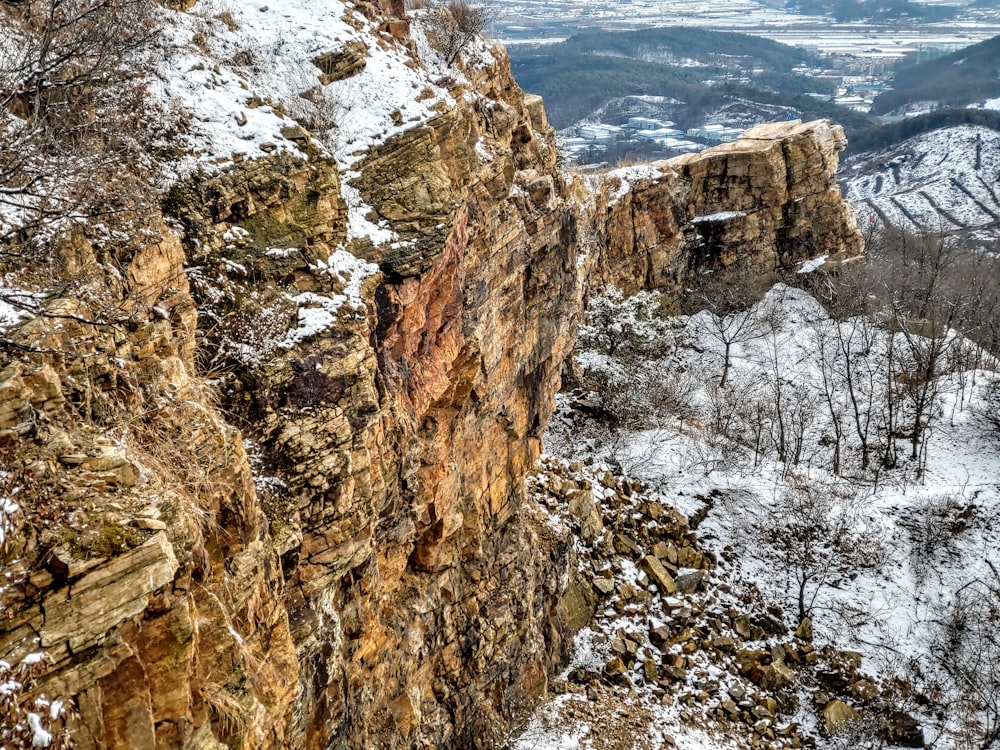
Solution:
(453, 25)
(623, 357)
(71, 108)
(628, 327)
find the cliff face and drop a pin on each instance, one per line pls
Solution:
(280, 503)
(762, 203)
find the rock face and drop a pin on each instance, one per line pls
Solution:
(762, 203)
(337, 555)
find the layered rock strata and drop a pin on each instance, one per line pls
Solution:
(256, 533)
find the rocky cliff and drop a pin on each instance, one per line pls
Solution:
(276, 499)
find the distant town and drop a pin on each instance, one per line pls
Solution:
(857, 78)
(858, 59)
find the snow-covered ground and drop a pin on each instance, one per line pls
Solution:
(932, 524)
(245, 77)
(945, 180)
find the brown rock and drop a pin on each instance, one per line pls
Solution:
(615, 668)
(903, 730)
(741, 624)
(394, 570)
(106, 596)
(837, 715)
(777, 676)
(658, 574)
(863, 690)
(805, 629)
(649, 671)
(150, 524)
(626, 546)
(605, 586)
(689, 583)
(345, 62)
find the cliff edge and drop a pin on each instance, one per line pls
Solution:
(276, 499)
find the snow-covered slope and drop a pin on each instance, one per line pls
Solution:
(933, 527)
(944, 180)
(247, 77)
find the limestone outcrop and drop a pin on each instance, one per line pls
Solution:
(278, 500)
(764, 203)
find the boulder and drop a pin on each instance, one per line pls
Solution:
(804, 630)
(689, 583)
(659, 574)
(777, 676)
(837, 715)
(902, 730)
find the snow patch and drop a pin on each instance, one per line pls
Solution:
(718, 217)
(319, 312)
(628, 176)
(813, 264)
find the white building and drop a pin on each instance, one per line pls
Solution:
(646, 123)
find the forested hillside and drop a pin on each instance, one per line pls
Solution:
(580, 75)
(957, 80)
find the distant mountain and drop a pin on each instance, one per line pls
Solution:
(680, 45)
(959, 79)
(873, 10)
(883, 137)
(587, 71)
(946, 180)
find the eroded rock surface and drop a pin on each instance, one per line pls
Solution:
(254, 533)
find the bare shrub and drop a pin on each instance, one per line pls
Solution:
(28, 720)
(815, 532)
(933, 526)
(454, 24)
(967, 646)
(71, 111)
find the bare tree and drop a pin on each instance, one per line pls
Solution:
(967, 646)
(454, 24)
(827, 352)
(815, 532)
(932, 289)
(730, 316)
(71, 103)
(75, 130)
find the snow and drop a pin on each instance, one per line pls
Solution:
(319, 312)
(358, 224)
(888, 613)
(812, 264)
(16, 305)
(942, 180)
(718, 217)
(268, 53)
(40, 737)
(10, 687)
(7, 509)
(236, 636)
(628, 176)
(242, 74)
(10, 315)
